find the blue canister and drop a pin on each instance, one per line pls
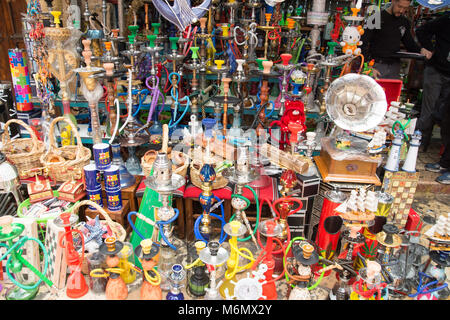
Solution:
(102, 155)
(112, 178)
(92, 177)
(95, 196)
(114, 200)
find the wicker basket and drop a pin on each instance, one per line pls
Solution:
(24, 153)
(180, 161)
(117, 229)
(62, 162)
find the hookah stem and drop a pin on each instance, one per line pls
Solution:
(258, 217)
(97, 138)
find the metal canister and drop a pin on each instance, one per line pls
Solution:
(102, 155)
(95, 196)
(114, 200)
(91, 177)
(385, 201)
(112, 178)
(330, 222)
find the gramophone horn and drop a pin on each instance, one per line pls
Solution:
(356, 102)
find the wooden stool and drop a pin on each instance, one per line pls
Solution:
(117, 216)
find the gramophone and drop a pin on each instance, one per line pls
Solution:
(355, 103)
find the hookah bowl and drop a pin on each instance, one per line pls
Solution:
(76, 284)
(176, 278)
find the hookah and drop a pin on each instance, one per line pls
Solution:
(234, 229)
(267, 28)
(241, 175)
(92, 90)
(76, 286)
(369, 284)
(265, 74)
(176, 277)
(285, 67)
(305, 256)
(116, 288)
(16, 262)
(271, 229)
(129, 271)
(224, 101)
(198, 279)
(164, 182)
(147, 252)
(202, 228)
(175, 81)
(60, 58)
(213, 256)
(154, 51)
(282, 209)
(316, 17)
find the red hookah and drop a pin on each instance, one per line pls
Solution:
(266, 257)
(76, 283)
(294, 113)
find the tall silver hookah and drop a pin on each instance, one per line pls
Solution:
(165, 182)
(241, 174)
(317, 17)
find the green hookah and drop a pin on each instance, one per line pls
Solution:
(15, 263)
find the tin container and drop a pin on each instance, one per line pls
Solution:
(18, 63)
(112, 178)
(95, 196)
(92, 177)
(330, 223)
(114, 200)
(102, 155)
(385, 201)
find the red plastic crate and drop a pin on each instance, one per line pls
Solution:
(392, 88)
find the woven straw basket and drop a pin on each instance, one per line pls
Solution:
(63, 161)
(180, 161)
(117, 229)
(24, 153)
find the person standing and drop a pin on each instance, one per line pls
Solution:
(382, 44)
(436, 90)
(436, 77)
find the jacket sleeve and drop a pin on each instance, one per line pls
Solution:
(426, 32)
(408, 40)
(365, 47)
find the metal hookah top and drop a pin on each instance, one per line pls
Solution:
(163, 180)
(241, 173)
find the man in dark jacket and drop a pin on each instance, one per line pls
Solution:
(382, 44)
(436, 89)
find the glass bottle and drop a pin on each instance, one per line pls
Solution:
(96, 261)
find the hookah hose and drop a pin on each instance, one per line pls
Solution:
(174, 95)
(156, 94)
(287, 274)
(258, 217)
(277, 218)
(420, 288)
(157, 224)
(143, 91)
(264, 254)
(223, 235)
(41, 275)
(237, 268)
(358, 288)
(116, 127)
